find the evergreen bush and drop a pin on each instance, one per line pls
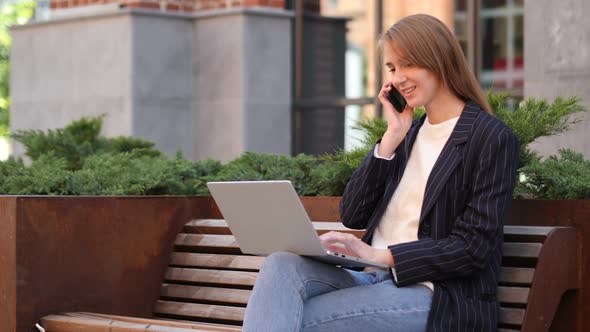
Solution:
(76, 160)
(47, 175)
(79, 140)
(566, 176)
(261, 166)
(534, 118)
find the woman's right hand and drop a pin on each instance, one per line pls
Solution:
(398, 124)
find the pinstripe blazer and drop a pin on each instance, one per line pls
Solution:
(460, 232)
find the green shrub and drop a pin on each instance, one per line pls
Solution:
(133, 173)
(373, 129)
(186, 176)
(330, 177)
(79, 140)
(8, 169)
(566, 176)
(76, 160)
(118, 174)
(127, 144)
(73, 143)
(48, 175)
(261, 166)
(534, 118)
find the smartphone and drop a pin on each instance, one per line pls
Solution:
(396, 99)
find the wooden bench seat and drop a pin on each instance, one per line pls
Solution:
(209, 281)
(92, 322)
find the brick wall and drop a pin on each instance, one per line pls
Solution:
(173, 5)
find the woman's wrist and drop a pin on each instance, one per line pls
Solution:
(383, 256)
(389, 142)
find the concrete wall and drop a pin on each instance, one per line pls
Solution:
(242, 83)
(268, 92)
(218, 89)
(211, 85)
(162, 82)
(557, 63)
(61, 71)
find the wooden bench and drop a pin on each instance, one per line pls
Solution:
(209, 281)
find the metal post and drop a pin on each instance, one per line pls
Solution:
(474, 37)
(297, 115)
(378, 72)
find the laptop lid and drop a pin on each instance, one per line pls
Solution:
(266, 217)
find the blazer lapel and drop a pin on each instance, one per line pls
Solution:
(411, 138)
(392, 183)
(407, 145)
(450, 156)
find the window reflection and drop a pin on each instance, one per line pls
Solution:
(502, 42)
(487, 4)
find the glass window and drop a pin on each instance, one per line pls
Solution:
(460, 23)
(502, 43)
(493, 42)
(460, 5)
(486, 4)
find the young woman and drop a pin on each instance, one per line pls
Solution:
(432, 195)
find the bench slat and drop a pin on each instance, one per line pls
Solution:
(516, 275)
(203, 311)
(206, 294)
(149, 324)
(526, 233)
(66, 323)
(512, 316)
(521, 250)
(508, 275)
(207, 226)
(218, 277)
(519, 295)
(528, 230)
(237, 262)
(520, 242)
(208, 242)
(228, 243)
(219, 226)
(505, 294)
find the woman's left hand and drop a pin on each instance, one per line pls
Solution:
(351, 245)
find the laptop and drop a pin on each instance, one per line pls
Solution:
(267, 217)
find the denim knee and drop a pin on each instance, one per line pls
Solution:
(280, 260)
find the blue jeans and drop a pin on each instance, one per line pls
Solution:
(294, 293)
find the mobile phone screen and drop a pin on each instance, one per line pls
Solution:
(397, 100)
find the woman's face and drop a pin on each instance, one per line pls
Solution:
(418, 85)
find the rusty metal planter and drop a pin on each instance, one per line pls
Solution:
(100, 254)
(109, 254)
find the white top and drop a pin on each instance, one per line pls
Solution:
(399, 223)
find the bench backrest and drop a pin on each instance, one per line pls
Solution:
(210, 280)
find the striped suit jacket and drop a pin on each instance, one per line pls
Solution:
(460, 233)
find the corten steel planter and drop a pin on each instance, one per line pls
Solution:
(99, 254)
(573, 313)
(109, 254)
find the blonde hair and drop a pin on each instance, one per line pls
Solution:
(426, 42)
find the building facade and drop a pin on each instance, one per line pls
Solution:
(215, 78)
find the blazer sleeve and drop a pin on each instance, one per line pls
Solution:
(474, 235)
(364, 190)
